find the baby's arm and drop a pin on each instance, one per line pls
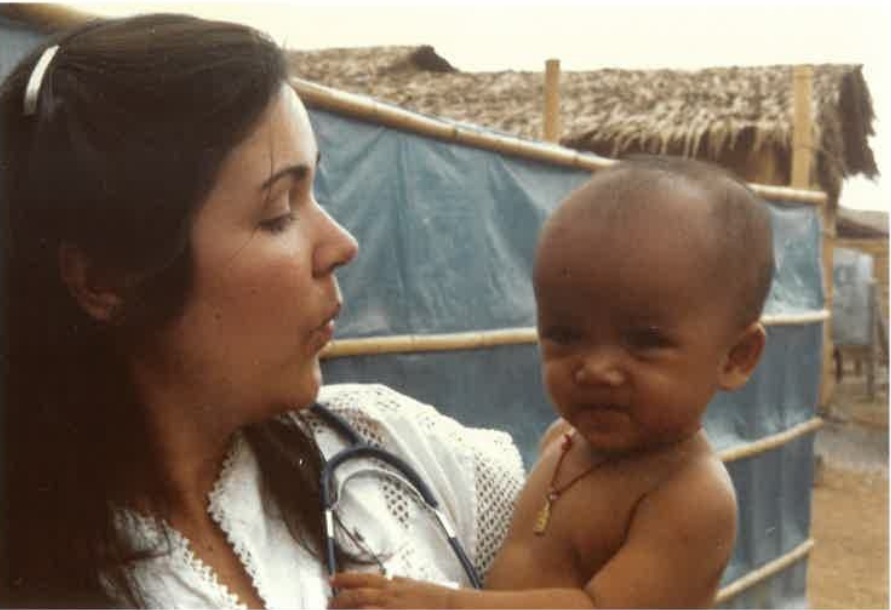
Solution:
(679, 541)
(678, 544)
(375, 591)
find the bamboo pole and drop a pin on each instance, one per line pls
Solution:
(792, 195)
(765, 571)
(828, 213)
(393, 344)
(429, 343)
(792, 319)
(802, 159)
(763, 445)
(552, 125)
(367, 109)
(802, 146)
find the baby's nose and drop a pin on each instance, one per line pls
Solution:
(601, 369)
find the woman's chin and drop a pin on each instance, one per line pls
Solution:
(296, 393)
(308, 390)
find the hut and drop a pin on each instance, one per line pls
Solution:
(451, 320)
(867, 231)
(861, 276)
(742, 118)
(738, 117)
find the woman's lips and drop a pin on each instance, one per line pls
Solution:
(326, 330)
(323, 334)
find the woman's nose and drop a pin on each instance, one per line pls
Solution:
(599, 369)
(337, 247)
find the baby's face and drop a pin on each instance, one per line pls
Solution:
(633, 335)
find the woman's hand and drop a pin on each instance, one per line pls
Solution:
(359, 590)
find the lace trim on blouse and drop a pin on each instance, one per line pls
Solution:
(476, 473)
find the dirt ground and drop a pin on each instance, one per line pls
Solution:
(848, 566)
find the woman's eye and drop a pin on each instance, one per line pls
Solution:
(278, 224)
(648, 338)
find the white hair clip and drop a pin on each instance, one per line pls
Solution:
(36, 80)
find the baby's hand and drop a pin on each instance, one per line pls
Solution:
(358, 590)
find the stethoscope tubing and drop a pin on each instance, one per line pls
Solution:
(357, 449)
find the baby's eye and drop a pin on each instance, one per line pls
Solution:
(560, 335)
(648, 337)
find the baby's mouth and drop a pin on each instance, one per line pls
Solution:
(603, 407)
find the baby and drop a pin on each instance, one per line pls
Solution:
(649, 281)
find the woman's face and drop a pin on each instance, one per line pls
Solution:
(264, 296)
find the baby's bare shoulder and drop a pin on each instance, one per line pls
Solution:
(697, 486)
(556, 431)
(706, 475)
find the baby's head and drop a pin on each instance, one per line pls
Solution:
(650, 280)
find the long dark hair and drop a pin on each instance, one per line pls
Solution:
(134, 119)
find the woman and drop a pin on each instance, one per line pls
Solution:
(168, 286)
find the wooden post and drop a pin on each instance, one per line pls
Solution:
(802, 146)
(552, 101)
(872, 352)
(829, 215)
(802, 159)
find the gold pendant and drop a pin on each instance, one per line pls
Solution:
(543, 518)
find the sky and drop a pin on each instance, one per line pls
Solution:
(486, 35)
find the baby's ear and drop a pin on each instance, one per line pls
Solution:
(743, 357)
(93, 290)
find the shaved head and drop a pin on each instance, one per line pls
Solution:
(702, 207)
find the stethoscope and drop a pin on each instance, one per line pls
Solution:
(358, 448)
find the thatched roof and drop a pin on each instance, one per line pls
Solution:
(722, 114)
(714, 113)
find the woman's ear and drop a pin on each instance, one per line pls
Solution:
(743, 357)
(92, 288)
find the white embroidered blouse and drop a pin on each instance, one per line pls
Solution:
(475, 473)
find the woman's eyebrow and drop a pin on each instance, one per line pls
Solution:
(297, 173)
